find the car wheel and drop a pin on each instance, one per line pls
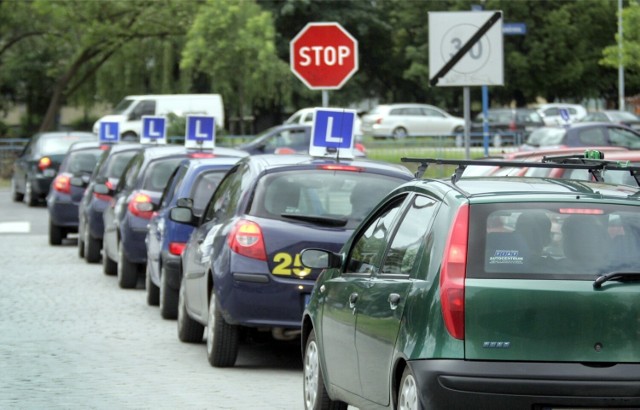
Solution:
(315, 393)
(408, 392)
(168, 298)
(222, 338)
(28, 194)
(189, 331)
(15, 195)
(399, 133)
(91, 247)
(56, 234)
(153, 293)
(127, 271)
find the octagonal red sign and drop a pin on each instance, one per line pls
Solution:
(324, 55)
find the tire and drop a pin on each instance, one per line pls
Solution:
(153, 293)
(28, 195)
(408, 392)
(92, 246)
(127, 271)
(222, 338)
(56, 234)
(315, 393)
(109, 266)
(189, 331)
(168, 298)
(15, 195)
(399, 133)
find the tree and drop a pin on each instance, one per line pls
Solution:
(233, 42)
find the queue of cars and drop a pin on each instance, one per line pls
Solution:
(479, 291)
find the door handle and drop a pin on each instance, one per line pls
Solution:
(393, 299)
(353, 298)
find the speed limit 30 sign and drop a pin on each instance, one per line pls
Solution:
(482, 64)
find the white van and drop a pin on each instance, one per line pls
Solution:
(128, 113)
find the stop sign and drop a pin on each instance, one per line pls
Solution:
(324, 55)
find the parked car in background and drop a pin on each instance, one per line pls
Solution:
(241, 270)
(68, 187)
(615, 116)
(287, 139)
(583, 134)
(108, 171)
(506, 126)
(305, 116)
(194, 181)
(37, 165)
(552, 115)
(410, 120)
(480, 293)
(135, 198)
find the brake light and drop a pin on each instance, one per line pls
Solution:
(141, 206)
(581, 211)
(334, 167)
(452, 274)
(197, 155)
(44, 163)
(62, 183)
(360, 147)
(284, 151)
(104, 197)
(176, 248)
(246, 239)
(379, 120)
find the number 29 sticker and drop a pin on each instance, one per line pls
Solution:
(288, 265)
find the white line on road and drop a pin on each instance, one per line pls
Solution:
(15, 227)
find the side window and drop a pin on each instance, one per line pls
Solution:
(623, 138)
(592, 136)
(403, 255)
(145, 107)
(131, 173)
(226, 196)
(172, 186)
(433, 113)
(368, 249)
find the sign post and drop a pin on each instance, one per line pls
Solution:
(324, 56)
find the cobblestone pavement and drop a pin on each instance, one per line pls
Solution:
(70, 338)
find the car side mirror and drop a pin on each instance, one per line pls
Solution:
(319, 259)
(185, 202)
(182, 215)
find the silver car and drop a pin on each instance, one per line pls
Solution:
(410, 120)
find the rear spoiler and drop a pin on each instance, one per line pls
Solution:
(591, 160)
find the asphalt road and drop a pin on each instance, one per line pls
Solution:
(71, 338)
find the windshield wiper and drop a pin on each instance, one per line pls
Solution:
(324, 220)
(619, 276)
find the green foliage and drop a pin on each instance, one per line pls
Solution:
(630, 44)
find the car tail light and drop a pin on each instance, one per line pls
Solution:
(176, 248)
(378, 120)
(44, 163)
(104, 197)
(141, 206)
(360, 147)
(284, 151)
(246, 239)
(197, 155)
(62, 183)
(581, 211)
(334, 167)
(452, 274)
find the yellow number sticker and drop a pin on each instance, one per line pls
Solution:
(286, 265)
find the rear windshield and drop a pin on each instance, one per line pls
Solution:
(334, 198)
(118, 163)
(60, 144)
(82, 161)
(553, 240)
(158, 173)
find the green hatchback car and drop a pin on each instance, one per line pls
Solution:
(481, 293)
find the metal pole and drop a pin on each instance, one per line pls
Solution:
(485, 119)
(620, 65)
(325, 98)
(467, 121)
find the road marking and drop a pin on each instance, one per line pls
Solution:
(15, 227)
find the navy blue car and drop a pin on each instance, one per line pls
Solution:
(241, 268)
(135, 199)
(194, 181)
(110, 167)
(68, 187)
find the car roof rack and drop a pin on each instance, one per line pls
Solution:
(592, 160)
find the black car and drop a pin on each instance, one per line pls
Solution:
(37, 165)
(68, 187)
(583, 134)
(108, 171)
(506, 126)
(286, 139)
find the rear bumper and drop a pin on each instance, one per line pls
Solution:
(63, 211)
(458, 384)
